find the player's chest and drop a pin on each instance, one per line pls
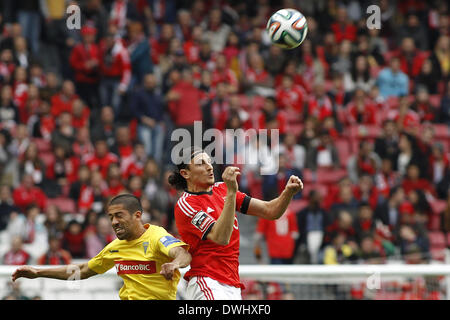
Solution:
(138, 259)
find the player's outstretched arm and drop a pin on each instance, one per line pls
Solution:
(223, 228)
(182, 258)
(61, 273)
(275, 208)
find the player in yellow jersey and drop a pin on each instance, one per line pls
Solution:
(147, 257)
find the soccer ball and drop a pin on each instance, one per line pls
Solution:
(287, 28)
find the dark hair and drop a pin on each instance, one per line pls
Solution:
(176, 180)
(130, 202)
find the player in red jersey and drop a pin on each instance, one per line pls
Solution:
(205, 216)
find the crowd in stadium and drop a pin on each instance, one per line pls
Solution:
(363, 116)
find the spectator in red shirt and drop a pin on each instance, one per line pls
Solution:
(184, 102)
(290, 96)
(115, 71)
(62, 101)
(366, 191)
(256, 79)
(223, 74)
(63, 169)
(411, 59)
(280, 236)
(191, 47)
(319, 104)
(361, 109)
(80, 114)
(85, 62)
(42, 123)
(82, 145)
(413, 181)
(16, 255)
(55, 255)
(27, 193)
(421, 105)
(101, 159)
(73, 240)
(271, 115)
(343, 29)
(114, 182)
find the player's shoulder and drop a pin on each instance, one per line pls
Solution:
(185, 204)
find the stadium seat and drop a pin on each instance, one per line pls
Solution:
(438, 206)
(43, 145)
(322, 189)
(66, 205)
(437, 239)
(434, 222)
(257, 103)
(435, 100)
(437, 254)
(343, 148)
(47, 157)
(330, 176)
(297, 205)
(441, 131)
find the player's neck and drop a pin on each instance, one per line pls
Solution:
(139, 232)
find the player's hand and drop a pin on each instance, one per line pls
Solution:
(294, 185)
(24, 272)
(229, 176)
(168, 269)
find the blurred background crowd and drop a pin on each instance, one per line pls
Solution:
(363, 116)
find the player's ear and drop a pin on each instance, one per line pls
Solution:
(138, 214)
(184, 173)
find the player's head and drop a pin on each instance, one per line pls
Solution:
(125, 211)
(194, 172)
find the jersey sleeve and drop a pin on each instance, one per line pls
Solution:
(165, 241)
(100, 263)
(242, 199)
(192, 220)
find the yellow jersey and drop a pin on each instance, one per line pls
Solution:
(138, 262)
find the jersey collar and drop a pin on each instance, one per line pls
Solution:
(199, 193)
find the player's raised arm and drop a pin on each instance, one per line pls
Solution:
(275, 208)
(222, 229)
(61, 273)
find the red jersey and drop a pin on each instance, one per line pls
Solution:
(18, 258)
(195, 214)
(279, 235)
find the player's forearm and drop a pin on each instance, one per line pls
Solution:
(65, 272)
(223, 228)
(182, 258)
(276, 207)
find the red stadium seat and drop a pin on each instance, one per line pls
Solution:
(322, 189)
(47, 157)
(330, 176)
(257, 102)
(441, 131)
(43, 145)
(66, 205)
(434, 222)
(297, 205)
(435, 100)
(437, 239)
(438, 206)
(437, 254)
(343, 148)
